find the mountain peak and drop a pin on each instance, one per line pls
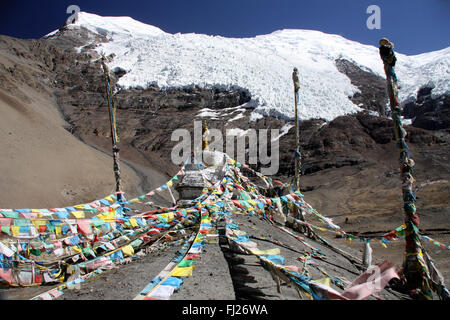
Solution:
(123, 25)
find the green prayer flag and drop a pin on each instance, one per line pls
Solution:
(245, 196)
(21, 222)
(186, 263)
(97, 222)
(136, 243)
(35, 252)
(6, 229)
(10, 214)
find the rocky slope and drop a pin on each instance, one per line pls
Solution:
(43, 163)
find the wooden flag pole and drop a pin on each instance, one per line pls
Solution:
(297, 132)
(114, 137)
(414, 266)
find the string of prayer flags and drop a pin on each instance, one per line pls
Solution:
(97, 235)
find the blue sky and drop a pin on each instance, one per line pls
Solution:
(415, 26)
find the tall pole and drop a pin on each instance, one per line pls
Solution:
(414, 266)
(298, 211)
(297, 133)
(205, 131)
(114, 136)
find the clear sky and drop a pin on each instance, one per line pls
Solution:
(415, 26)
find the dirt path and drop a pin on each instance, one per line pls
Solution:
(125, 282)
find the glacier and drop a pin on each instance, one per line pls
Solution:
(261, 65)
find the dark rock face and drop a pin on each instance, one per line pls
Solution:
(68, 39)
(154, 100)
(428, 112)
(119, 72)
(372, 95)
(346, 141)
(146, 118)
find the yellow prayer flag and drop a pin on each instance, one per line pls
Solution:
(324, 281)
(308, 295)
(15, 230)
(170, 183)
(128, 250)
(110, 215)
(263, 252)
(38, 223)
(76, 249)
(239, 232)
(198, 239)
(182, 271)
(58, 230)
(169, 216)
(133, 222)
(78, 214)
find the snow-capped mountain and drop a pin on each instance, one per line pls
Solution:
(262, 65)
